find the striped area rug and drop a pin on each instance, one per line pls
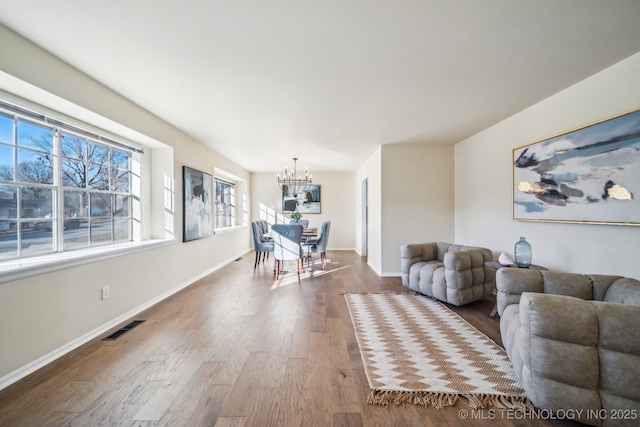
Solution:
(416, 350)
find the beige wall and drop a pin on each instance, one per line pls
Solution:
(483, 179)
(42, 316)
(338, 204)
(410, 200)
(417, 198)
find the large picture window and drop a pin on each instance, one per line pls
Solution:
(225, 207)
(60, 189)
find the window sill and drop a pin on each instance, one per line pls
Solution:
(230, 229)
(26, 267)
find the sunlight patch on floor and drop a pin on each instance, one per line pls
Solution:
(291, 278)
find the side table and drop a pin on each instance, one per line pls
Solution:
(495, 266)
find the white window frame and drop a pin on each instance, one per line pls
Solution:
(28, 265)
(232, 205)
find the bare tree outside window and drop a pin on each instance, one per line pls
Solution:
(92, 190)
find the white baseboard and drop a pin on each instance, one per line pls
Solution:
(391, 274)
(29, 368)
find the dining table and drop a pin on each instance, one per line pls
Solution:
(310, 232)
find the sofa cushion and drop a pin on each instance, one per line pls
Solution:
(623, 291)
(618, 327)
(601, 284)
(579, 286)
(519, 280)
(414, 276)
(560, 318)
(443, 248)
(427, 271)
(464, 267)
(619, 348)
(555, 395)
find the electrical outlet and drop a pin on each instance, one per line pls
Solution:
(105, 293)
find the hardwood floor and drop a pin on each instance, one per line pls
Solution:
(236, 349)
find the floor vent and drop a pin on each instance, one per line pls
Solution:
(120, 332)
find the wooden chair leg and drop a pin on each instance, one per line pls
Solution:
(276, 273)
(257, 260)
(298, 268)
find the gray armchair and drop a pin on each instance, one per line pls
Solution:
(451, 273)
(574, 341)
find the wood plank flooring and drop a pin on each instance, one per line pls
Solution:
(237, 349)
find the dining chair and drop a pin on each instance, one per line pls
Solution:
(286, 241)
(261, 244)
(320, 245)
(304, 222)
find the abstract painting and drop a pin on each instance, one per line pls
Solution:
(588, 175)
(197, 204)
(306, 200)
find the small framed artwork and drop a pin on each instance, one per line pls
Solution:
(588, 175)
(198, 207)
(306, 200)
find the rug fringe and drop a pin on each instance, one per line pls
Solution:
(437, 400)
(442, 400)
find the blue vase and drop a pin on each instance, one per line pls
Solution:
(522, 253)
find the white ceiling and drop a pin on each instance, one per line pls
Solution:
(329, 81)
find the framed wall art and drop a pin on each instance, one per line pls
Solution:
(307, 200)
(198, 207)
(588, 175)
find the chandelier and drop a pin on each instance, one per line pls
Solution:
(292, 183)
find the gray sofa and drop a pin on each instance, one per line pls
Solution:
(451, 273)
(574, 341)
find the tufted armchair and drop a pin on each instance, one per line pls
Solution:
(303, 222)
(287, 239)
(261, 243)
(574, 341)
(451, 273)
(320, 245)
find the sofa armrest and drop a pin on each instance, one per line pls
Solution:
(512, 282)
(465, 268)
(412, 253)
(578, 353)
(558, 343)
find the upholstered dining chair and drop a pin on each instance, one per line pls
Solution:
(304, 222)
(320, 245)
(286, 241)
(261, 244)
